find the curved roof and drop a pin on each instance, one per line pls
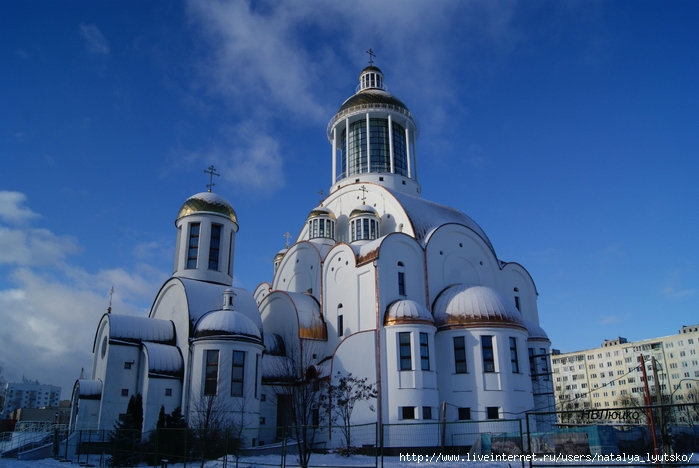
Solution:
(425, 216)
(274, 345)
(371, 68)
(463, 305)
(131, 328)
(164, 359)
(363, 210)
(321, 211)
(371, 96)
(407, 311)
(535, 331)
(226, 323)
(208, 202)
(89, 389)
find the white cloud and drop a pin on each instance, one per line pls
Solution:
(34, 247)
(11, 210)
(49, 308)
(95, 41)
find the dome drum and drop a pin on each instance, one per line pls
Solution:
(321, 223)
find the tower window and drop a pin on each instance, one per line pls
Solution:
(214, 246)
(488, 353)
(406, 361)
(513, 355)
(237, 373)
(193, 246)
(460, 355)
(424, 352)
(211, 373)
(340, 326)
(517, 303)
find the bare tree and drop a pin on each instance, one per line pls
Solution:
(344, 391)
(298, 393)
(209, 416)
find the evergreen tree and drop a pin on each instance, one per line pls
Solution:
(125, 439)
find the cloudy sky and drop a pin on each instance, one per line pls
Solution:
(567, 130)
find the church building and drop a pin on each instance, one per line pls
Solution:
(379, 283)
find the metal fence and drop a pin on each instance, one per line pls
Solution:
(393, 445)
(633, 436)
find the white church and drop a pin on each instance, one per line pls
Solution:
(379, 283)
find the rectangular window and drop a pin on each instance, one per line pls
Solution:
(493, 412)
(168, 392)
(513, 355)
(517, 303)
(424, 352)
(464, 414)
(230, 250)
(257, 372)
(406, 362)
(460, 354)
(214, 246)
(124, 392)
(193, 246)
(401, 283)
(340, 325)
(488, 353)
(127, 365)
(426, 412)
(211, 373)
(532, 364)
(407, 412)
(237, 373)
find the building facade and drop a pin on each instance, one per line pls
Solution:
(379, 283)
(611, 376)
(29, 394)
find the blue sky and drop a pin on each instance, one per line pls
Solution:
(567, 130)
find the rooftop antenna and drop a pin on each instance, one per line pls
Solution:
(371, 56)
(321, 192)
(212, 172)
(288, 236)
(111, 292)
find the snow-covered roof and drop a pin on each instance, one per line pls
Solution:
(132, 328)
(164, 359)
(535, 331)
(208, 202)
(475, 306)
(203, 297)
(89, 389)
(227, 324)
(407, 311)
(425, 216)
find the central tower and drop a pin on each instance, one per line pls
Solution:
(373, 138)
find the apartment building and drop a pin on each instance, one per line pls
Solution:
(611, 376)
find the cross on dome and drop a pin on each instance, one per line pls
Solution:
(288, 236)
(371, 56)
(212, 172)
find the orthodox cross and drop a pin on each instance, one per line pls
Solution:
(363, 189)
(212, 172)
(288, 236)
(321, 192)
(371, 56)
(111, 292)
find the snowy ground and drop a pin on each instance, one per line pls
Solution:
(356, 461)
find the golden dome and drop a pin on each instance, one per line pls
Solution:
(321, 211)
(364, 210)
(207, 202)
